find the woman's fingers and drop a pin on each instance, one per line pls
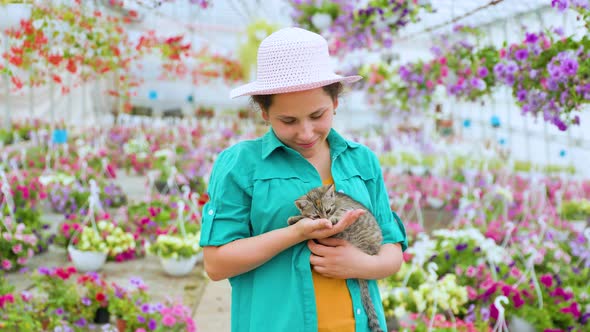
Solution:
(347, 220)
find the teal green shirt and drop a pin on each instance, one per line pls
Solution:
(252, 190)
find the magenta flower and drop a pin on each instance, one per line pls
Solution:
(546, 280)
(168, 320)
(517, 300)
(572, 309)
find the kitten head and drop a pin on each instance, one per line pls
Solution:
(318, 203)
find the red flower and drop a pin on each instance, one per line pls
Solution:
(100, 297)
(54, 59)
(72, 66)
(17, 82)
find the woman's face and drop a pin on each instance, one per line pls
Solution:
(302, 120)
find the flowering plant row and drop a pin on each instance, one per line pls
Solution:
(66, 299)
(547, 73)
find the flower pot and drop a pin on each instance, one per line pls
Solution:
(12, 14)
(121, 325)
(87, 261)
(178, 267)
(579, 225)
(521, 325)
(162, 186)
(102, 316)
(435, 202)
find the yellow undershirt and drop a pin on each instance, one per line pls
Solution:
(333, 302)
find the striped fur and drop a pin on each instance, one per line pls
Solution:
(365, 234)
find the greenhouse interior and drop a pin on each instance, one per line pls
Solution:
(137, 194)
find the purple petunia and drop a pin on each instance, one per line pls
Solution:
(560, 5)
(531, 38)
(482, 72)
(521, 95)
(86, 301)
(136, 281)
(59, 311)
(478, 84)
(521, 54)
(152, 324)
(81, 322)
(461, 246)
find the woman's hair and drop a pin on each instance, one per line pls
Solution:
(264, 102)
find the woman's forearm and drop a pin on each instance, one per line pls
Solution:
(246, 254)
(387, 262)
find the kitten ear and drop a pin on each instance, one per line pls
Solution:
(330, 190)
(301, 203)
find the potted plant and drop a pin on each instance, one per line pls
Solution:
(178, 254)
(16, 246)
(60, 298)
(90, 252)
(577, 212)
(125, 304)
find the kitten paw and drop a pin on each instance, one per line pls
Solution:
(334, 220)
(294, 219)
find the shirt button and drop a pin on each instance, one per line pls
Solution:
(210, 212)
(358, 311)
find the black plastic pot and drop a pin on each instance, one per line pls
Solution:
(102, 316)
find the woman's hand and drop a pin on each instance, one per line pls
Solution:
(337, 258)
(323, 228)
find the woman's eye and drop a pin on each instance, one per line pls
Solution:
(288, 121)
(317, 116)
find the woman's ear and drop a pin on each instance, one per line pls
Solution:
(335, 103)
(265, 115)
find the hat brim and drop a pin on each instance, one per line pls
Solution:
(255, 88)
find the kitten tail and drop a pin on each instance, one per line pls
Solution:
(369, 308)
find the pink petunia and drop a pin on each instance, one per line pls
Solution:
(471, 272)
(168, 320)
(17, 248)
(6, 264)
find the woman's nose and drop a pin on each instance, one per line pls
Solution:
(306, 131)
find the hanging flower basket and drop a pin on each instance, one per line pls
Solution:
(178, 253)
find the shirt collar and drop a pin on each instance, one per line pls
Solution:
(270, 142)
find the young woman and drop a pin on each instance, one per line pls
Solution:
(295, 278)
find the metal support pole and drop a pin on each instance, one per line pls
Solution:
(8, 121)
(31, 96)
(506, 98)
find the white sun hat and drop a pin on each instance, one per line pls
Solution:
(289, 60)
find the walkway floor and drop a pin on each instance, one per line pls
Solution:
(213, 312)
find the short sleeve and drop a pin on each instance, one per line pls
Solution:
(226, 216)
(392, 226)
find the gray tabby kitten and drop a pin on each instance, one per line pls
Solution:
(325, 203)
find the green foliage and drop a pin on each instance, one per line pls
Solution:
(575, 210)
(247, 52)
